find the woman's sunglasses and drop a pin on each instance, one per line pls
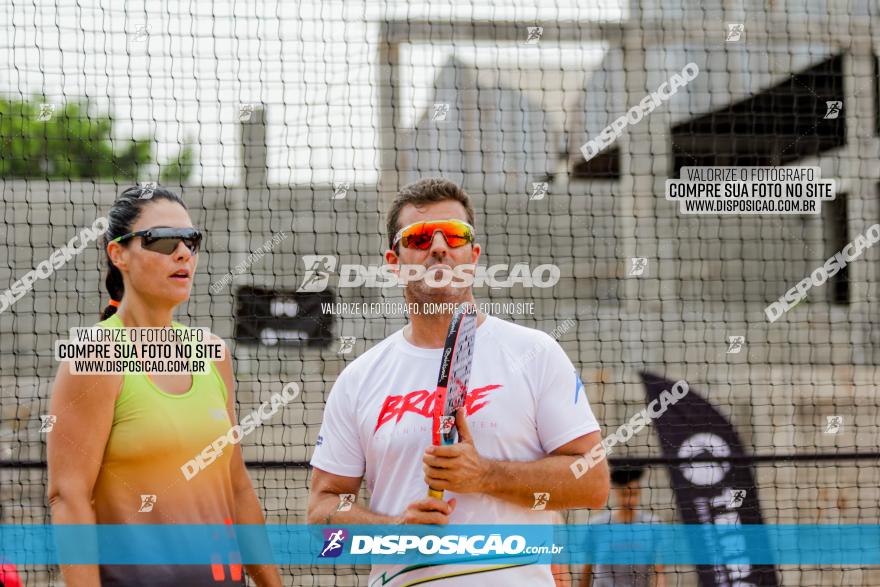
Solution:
(165, 240)
(420, 235)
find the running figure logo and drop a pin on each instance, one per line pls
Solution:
(833, 109)
(346, 344)
(46, 112)
(541, 500)
(47, 422)
(147, 503)
(440, 112)
(340, 190)
(146, 189)
(318, 270)
(539, 190)
(737, 497)
(346, 500)
(534, 35)
(334, 540)
(735, 344)
(833, 424)
(638, 266)
(735, 31)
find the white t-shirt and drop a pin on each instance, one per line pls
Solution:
(525, 400)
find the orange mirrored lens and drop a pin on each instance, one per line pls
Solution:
(420, 236)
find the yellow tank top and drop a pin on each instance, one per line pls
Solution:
(154, 434)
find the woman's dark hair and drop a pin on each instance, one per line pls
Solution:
(122, 216)
(626, 474)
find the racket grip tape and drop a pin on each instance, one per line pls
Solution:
(435, 493)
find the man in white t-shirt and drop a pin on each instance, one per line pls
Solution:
(526, 419)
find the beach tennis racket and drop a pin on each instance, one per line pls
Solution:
(455, 372)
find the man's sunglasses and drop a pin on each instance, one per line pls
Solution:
(420, 235)
(165, 240)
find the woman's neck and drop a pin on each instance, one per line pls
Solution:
(134, 316)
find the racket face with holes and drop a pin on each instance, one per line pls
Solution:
(455, 372)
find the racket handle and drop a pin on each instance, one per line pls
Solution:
(435, 493)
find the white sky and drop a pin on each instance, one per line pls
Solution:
(312, 62)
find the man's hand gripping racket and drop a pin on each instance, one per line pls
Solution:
(455, 372)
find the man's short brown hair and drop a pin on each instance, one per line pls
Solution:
(426, 191)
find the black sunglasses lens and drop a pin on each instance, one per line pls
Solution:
(194, 243)
(167, 244)
(164, 245)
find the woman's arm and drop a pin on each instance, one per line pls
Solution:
(247, 506)
(83, 407)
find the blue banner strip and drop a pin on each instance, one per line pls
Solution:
(325, 545)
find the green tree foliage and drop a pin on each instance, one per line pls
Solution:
(71, 142)
(179, 169)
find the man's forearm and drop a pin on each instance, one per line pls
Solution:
(326, 512)
(518, 482)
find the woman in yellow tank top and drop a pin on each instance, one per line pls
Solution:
(119, 441)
